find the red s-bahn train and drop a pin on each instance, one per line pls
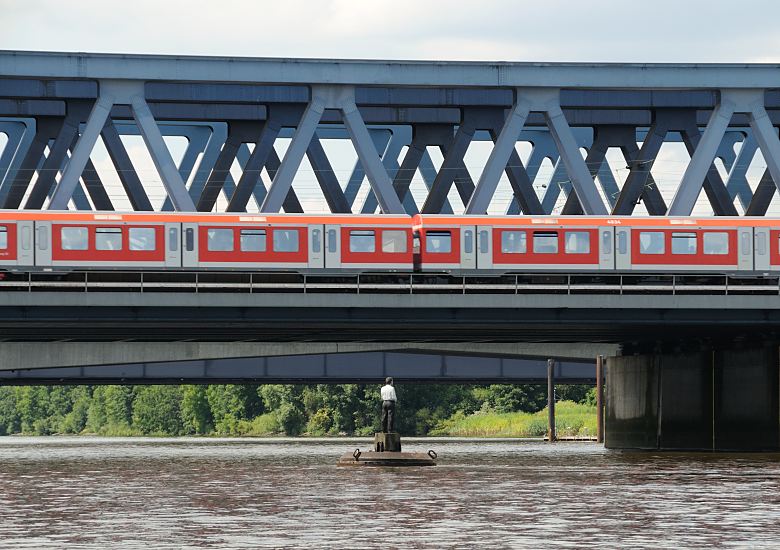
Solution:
(60, 241)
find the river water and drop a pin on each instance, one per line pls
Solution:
(249, 493)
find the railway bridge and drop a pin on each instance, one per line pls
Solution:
(692, 356)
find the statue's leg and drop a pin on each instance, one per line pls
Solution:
(391, 417)
(384, 418)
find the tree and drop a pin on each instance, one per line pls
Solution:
(286, 402)
(157, 410)
(195, 412)
(32, 407)
(230, 403)
(505, 398)
(9, 417)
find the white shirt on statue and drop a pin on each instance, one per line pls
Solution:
(388, 393)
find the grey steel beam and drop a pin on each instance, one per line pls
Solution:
(311, 368)
(78, 110)
(238, 133)
(399, 138)
(637, 76)
(702, 158)
(17, 181)
(380, 138)
(762, 197)
(766, 135)
(254, 166)
(15, 131)
(522, 186)
(737, 184)
(78, 161)
(283, 179)
(161, 156)
(581, 180)
(452, 171)
(124, 168)
(639, 171)
(329, 183)
(95, 188)
(291, 204)
(722, 204)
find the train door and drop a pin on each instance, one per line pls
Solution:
(173, 242)
(316, 255)
(332, 256)
(475, 248)
(607, 247)
(623, 248)
(759, 260)
(43, 244)
(189, 245)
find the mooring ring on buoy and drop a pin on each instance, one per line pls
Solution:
(357, 454)
(432, 454)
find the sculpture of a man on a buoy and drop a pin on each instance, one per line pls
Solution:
(388, 406)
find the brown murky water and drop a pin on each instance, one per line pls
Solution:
(205, 493)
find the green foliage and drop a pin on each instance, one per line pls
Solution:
(195, 411)
(157, 410)
(571, 419)
(335, 409)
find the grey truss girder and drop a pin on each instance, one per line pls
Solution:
(329, 183)
(548, 102)
(253, 167)
(18, 180)
(19, 136)
(124, 167)
(127, 93)
(343, 99)
(452, 170)
(399, 137)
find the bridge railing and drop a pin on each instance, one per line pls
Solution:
(384, 283)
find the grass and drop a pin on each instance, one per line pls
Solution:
(571, 419)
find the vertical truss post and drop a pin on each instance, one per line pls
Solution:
(124, 168)
(702, 158)
(78, 161)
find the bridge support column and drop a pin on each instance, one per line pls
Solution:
(722, 400)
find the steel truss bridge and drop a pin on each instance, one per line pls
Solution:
(55, 107)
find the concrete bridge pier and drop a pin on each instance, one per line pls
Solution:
(718, 400)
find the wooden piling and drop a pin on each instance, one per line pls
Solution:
(600, 399)
(551, 400)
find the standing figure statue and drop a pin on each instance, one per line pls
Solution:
(388, 406)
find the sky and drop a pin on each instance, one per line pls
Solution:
(506, 30)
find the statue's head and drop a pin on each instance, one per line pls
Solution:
(389, 381)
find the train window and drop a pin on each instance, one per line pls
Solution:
(606, 242)
(438, 242)
(142, 238)
(468, 241)
(716, 243)
(393, 241)
(577, 242)
(3, 237)
(332, 242)
(253, 240)
(545, 242)
(74, 238)
(285, 240)
(513, 242)
(220, 240)
(362, 241)
(683, 243)
(108, 238)
(316, 244)
(651, 242)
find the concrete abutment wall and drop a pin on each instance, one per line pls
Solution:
(721, 400)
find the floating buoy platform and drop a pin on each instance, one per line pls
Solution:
(387, 452)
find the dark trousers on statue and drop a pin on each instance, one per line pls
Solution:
(388, 416)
